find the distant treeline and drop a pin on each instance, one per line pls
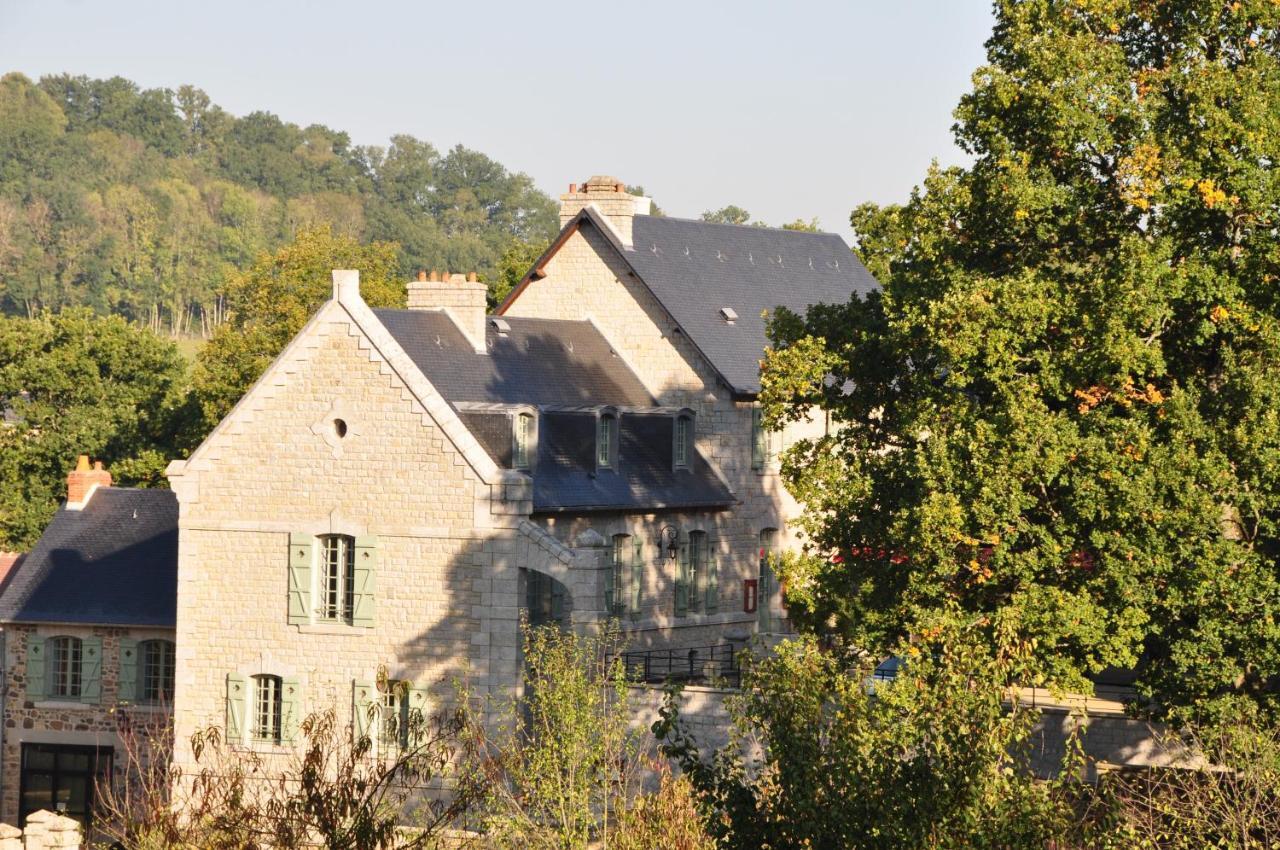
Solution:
(143, 203)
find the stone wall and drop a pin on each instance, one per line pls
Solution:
(44, 830)
(106, 723)
(586, 280)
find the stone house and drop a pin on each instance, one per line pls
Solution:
(401, 484)
(87, 643)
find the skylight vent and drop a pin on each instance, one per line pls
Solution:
(729, 314)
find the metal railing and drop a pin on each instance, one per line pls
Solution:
(697, 665)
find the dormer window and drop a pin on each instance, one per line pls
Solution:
(606, 440)
(682, 447)
(523, 439)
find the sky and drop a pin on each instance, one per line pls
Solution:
(788, 109)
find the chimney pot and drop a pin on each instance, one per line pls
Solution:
(573, 187)
(82, 481)
(422, 275)
(472, 277)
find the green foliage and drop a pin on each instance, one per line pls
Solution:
(1065, 409)
(147, 203)
(516, 262)
(562, 772)
(727, 215)
(270, 302)
(76, 383)
(820, 759)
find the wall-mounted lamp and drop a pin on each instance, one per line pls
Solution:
(671, 541)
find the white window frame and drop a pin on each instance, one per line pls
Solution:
(522, 440)
(165, 680)
(266, 704)
(336, 594)
(67, 684)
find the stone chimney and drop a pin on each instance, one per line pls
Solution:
(463, 298)
(82, 481)
(609, 196)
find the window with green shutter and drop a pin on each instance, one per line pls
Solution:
(682, 578)
(697, 572)
(156, 658)
(615, 594)
(764, 609)
(713, 577)
(267, 708)
(91, 670)
(336, 589)
(759, 442)
(290, 709)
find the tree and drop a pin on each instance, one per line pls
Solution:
(270, 302)
(820, 759)
(516, 262)
(727, 215)
(75, 383)
(1060, 414)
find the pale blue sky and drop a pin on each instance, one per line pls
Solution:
(789, 109)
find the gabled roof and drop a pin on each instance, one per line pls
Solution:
(696, 268)
(537, 361)
(114, 562)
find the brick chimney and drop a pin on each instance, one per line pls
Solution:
(463, 298)
(82, 481)
(609, 196)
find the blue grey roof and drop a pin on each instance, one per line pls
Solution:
(695, 268)
(565, 478)
(114, 562)
(538, 362)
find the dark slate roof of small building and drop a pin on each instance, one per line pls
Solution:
(114, 562)
(565, 478)
(538, 361)
(695, 268)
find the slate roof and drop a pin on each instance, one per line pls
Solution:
(565, 478)
(695, 268)
(539, 361)
(113, 563)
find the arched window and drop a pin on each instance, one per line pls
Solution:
(682, 447)
(337, 579)
(157, 671)
(523, 439)
(268, 696)
(65, 655)
(606, 440)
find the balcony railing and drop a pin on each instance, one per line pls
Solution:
(701, 665)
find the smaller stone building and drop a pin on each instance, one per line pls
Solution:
(86, 638)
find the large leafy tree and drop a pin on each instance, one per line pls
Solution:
(1062, 414)
(76, 383)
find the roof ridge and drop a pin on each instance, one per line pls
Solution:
(763, 228)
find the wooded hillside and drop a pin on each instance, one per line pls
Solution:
(143, 203)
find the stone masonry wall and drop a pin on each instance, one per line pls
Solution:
(587, 280)
(50, 721)
(446, 584)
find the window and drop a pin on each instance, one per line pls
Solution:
(338, 579)
(615, 596)
(697, 572)
(64, 667)
(393, 725)
(63, 779)
(157, 671)
(765, 444)
(606, 438)
(683, 441)
(523, 437)
(267, 703)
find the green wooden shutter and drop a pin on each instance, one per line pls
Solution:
(416, 718)
(35, 667)
(697, 570)
(713, 577)
(235, 704)
(290, 708)
(637, 575)
(91, 670)
(611, 581)
(682, 579)
(300, 560)
(364, 695)
(759, 447)
(127, 683)
(366, 577)
(557, 601)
